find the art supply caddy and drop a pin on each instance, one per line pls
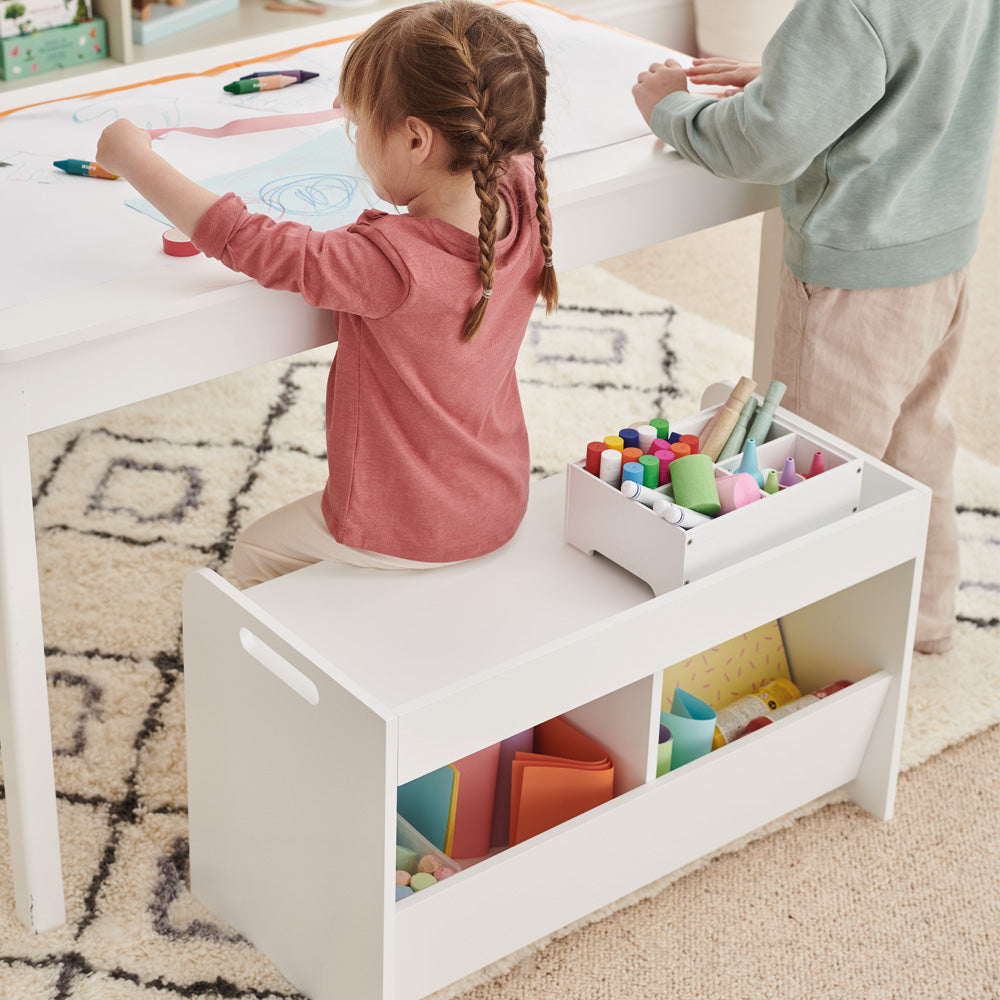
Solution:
(304, 717)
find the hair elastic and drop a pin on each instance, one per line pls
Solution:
(549, 263)
(487, 292)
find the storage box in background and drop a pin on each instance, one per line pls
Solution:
(54, 48)
(23, 17)
(599, 518)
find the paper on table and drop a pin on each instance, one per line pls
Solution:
(317, 183)
(692, 724)
(567, 774)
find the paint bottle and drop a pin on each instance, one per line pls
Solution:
(734, 718)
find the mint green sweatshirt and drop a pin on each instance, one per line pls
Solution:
(877, 118)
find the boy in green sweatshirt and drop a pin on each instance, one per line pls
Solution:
(877, 118)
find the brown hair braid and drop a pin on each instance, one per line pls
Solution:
(478, 77)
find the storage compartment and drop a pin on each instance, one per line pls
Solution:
(600, 519)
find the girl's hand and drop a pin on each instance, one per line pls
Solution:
(656, 83)
(122, 145)
(719, 72)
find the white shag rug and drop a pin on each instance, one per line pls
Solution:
(129, 502)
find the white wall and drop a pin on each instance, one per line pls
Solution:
(669, 22)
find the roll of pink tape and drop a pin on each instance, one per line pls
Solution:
(176, 244)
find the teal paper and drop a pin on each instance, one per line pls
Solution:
(425, 803)
(692, 723)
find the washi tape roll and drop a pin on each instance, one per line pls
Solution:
(176, 244)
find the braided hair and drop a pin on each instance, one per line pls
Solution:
(477, 76)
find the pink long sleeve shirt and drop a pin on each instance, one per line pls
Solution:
(426, 441)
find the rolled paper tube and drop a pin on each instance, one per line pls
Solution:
(673, 437)
(737, 491)
(680, 448)
(735, 443)
(614, 441)
(665, 457)
(762, 421)
(647, 435)
(631, 455)
(631, 473)
(726, 418)
(650, 471)
(817, 465)
(630, 437)
(771, 481)
(662, 427)
(691, 440)
(749, 462)
(659, 444)
(593, 462)
(611, 467)
(694, 484)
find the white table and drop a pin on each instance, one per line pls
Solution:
(82, 352)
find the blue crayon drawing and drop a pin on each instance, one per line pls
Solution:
(309, 195)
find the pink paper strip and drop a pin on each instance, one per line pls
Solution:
(243, 126)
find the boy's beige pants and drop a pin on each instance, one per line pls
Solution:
(871, 366)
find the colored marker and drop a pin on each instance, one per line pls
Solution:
(259, 83)
(301, 75)
(85, 168)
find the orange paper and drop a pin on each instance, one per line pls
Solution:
(567, 774)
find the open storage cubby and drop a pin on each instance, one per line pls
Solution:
(312, 697)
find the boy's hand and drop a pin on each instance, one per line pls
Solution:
(653, 85)
(719, 72)
(121, 146)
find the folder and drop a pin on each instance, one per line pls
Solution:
(691, 722)
(477, 785)
(428, 804)
(566, 774)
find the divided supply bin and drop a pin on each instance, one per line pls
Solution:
(312, 697)
(599, 518)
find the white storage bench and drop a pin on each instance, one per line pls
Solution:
(311, 697)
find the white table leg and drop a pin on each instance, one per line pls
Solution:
(25, 736)
(772, 236)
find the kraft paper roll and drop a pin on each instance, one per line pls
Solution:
(727, 418)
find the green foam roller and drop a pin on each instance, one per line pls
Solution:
(693, 478)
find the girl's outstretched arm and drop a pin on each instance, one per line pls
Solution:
(126, 150)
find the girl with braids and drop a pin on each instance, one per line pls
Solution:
(426, 441)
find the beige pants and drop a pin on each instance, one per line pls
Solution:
(295, 536)
(871, 367)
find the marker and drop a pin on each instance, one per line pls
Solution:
(85, 168)
(673, 513)
(301, 75)
(259, 83)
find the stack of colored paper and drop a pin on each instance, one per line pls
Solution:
(566, 774)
